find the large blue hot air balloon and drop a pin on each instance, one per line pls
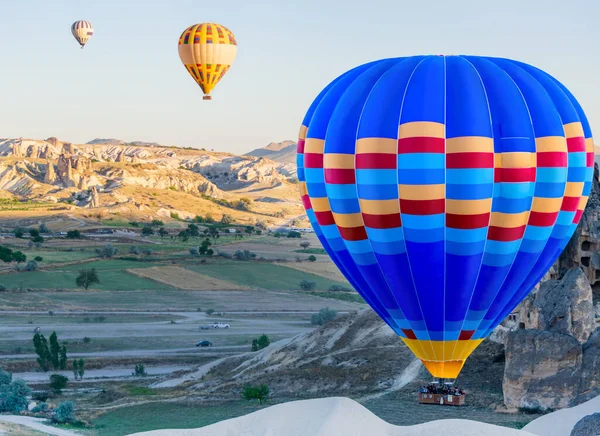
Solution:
(444, 188)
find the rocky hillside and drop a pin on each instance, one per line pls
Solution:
(113, 172)
(283, 152)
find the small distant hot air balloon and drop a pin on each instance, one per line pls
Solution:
(207, 50)
(82, 31)
(444, 188)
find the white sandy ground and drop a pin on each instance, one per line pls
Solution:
(335, 416)
(561, 422)
(36, 424)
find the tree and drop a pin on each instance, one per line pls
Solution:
(108, 251)
(147, 231)
(139, 371)
(157, 223)
(323, 317)
(305, 245)
(86, 278)
(184, 235)
(238, 234)
(58, 382)
(306, 285)
(73, 234)
(19, 257)
(204, 246)
(210, 311)
(7, 255)
(75, 369)
(162, 232)
(40, 345)
(31, 265)
(44, 228)
(134, 250)
(54, 350)
(260, 393)
(19, 233)
(209, 218)
(81, 369)
(226, 219)
(214, 232)
(294, 234)
(64, 412)
(277, 235)
(193, 230)
(312, 258)
(262, 342)
(62, 358)
(249, 230)
(194, 251)
(38, 258)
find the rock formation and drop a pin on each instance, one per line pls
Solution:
(121, 157)
(590, 368)
(50, 176)
(587, 426)
(95, 201)
(543, 370)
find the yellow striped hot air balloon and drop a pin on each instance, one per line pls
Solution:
(82, 31)
(207, 50)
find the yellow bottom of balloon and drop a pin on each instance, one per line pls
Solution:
(443, 359)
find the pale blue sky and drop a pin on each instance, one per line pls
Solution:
(129, 83)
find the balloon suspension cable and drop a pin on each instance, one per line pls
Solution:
(206, 97)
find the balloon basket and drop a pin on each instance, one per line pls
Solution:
(207, 97)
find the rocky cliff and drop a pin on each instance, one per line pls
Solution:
(553, 350)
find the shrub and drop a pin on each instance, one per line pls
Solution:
(64, 412)
(262, 342)
(338, 288)
(260, 393)
(13, 396)
(194, 251)
(87, 340)
(147, 231)
(5, 377)
(58, 382)
(73, 234)
(134, 250)
(38, 258)
(226, 219)
(108, 251)
(244, 255)
(210, 311)
(139, 371)
(174, 215)
(304, 245)
(323, 317)
(148, 252)
(41, 396)
(157, 223)
(311, 258)
(40, 408)
(294, 234)
(32, 265)
(306, 285)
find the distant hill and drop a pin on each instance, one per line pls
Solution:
(282, 152)
(113, 141)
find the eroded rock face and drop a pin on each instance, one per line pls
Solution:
(543, 370)
(587, 426)
(590, 374)
(564, 306)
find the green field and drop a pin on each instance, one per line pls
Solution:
(262, 275)
(153, 416)
(55, 256)
(112, 276)
(312, 251)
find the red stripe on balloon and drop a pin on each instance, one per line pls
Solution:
(576, 144)
(422, 144)
(569, 204)
(353, 233)
(388, 221)
(505, 234)
(589, 159)
(514, 175)
(470, 160)
(577, 217)
(339, 176)
(542, 219)
(306, 202)
(423, 207)
(375, 161)
(300, 148)
(313, 160)
(456, 221)
(325, 218)
(552, 159)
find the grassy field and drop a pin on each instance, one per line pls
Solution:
(92, 318)
(153, 416)
(262, 275)
(112, 276)
(183, 278)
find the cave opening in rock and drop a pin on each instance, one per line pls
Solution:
(585, 261)
(585, 245)
(521, 326)
(596, 292)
